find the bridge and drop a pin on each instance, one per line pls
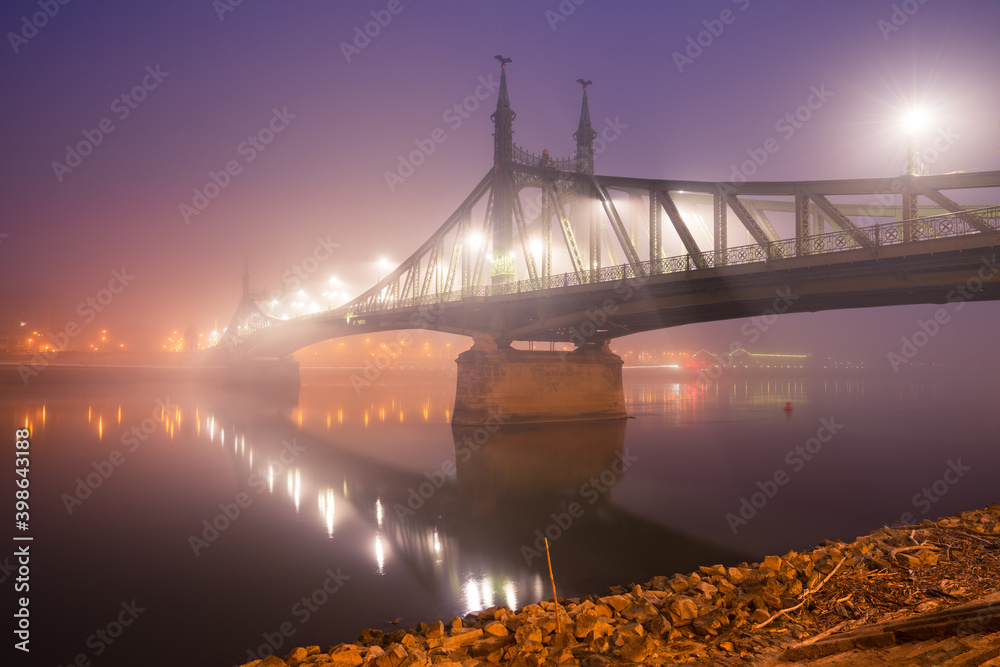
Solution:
(545, 250)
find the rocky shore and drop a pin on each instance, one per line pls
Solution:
(746, 614)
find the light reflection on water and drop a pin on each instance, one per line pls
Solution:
(428, 527)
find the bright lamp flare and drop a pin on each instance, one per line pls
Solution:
(915, 119)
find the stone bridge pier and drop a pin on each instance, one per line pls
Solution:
(529, 386)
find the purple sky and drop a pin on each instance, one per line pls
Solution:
(344, 124)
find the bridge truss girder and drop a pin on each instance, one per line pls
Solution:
(454, 263)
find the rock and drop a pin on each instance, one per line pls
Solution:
(549, 623)
(595, 661)
(394, 656)
(706, 589)
(716, 570)
(415, 659)
(616, 602)
(561, 641)
(272, 661)
(434, 630)
(495, 629)
(465, 638)
(626, 633)
(528, 632)
(346, 655)
(370, 637)
(679, 584)
(589, 622)
(707, 626)
(488, 646)
(295, 656)
(395, 637)
(773, 563)
(725, 588)
(659, 626)
(640, 612)
(372, 653)
(774, 587)
(603, 610)
(637, 649)
(682, 610)
(737, 574)
(488, 614)
(531, 610)
(455, 622)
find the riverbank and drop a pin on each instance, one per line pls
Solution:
(783, 609)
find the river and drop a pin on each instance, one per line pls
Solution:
(171, 519)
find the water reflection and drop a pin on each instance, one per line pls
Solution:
(465, 528)
(429, 526)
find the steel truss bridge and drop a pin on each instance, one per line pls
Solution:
(543, 249)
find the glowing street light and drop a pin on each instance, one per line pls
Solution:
(382, 263)
(536, 248)
(914, 120)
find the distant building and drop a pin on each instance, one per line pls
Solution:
(16, 338)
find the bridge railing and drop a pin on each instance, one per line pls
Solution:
(884, 234)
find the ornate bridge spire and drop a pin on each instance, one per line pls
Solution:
(503, 185)
(585, 134)
(503, 120)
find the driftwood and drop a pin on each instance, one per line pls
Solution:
(805, 596)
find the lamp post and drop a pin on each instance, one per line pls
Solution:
(914, 121)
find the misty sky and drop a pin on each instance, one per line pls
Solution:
(163, 95)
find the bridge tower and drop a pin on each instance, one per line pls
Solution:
(585, 135)
(502, 210)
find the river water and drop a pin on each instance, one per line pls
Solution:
(172, 520)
